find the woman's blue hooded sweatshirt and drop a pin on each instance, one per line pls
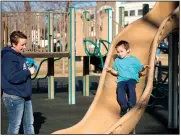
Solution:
(15, 75)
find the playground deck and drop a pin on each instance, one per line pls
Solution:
(52, 115)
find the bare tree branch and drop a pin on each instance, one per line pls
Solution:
(68, 5)
(27, 6)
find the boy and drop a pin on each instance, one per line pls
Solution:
(127, 69)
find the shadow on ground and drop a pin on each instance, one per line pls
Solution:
(61, 85)
(39, 120)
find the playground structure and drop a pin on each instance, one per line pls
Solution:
(104, 110)
(53, 34)
(103, 114)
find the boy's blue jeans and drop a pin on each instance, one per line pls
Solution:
(122, 88)
(19, 110)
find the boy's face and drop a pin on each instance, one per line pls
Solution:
(20, 46)
(121, 51)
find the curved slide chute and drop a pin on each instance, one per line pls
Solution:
(144, 35)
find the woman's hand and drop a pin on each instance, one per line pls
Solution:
(32, 70)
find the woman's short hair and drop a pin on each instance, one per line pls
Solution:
(15, 35)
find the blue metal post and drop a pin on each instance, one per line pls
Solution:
(121, 17)
(72, 66)
(110, 25)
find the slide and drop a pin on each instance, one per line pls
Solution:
(144, 35)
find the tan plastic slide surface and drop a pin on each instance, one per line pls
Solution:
(144, 35)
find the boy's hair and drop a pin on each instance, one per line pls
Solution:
(122, 42)
(15, 35)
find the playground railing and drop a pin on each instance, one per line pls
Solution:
(38, 26)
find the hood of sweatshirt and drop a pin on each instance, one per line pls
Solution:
(9, 49)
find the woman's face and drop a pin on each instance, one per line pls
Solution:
(20, 46)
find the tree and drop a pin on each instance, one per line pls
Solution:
(44, 6)
(27, 6)
(27, 18)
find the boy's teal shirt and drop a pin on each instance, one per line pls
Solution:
(128, 68)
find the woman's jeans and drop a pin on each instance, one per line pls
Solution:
(19, 110)
(123, 87)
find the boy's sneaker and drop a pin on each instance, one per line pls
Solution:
(123, 111)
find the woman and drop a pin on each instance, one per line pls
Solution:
(16, 85)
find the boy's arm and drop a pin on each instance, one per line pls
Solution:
(145, 67)
(112, 71)
(141, 68)
(142, 73)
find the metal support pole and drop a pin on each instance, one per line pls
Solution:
(86, 63)
(86, 60)
(173, 81)
(145, 9)
(121, 17)
(110, 25)
(86, 15)
(51, 88)
(72, 67)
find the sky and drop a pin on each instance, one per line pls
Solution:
(6, 5)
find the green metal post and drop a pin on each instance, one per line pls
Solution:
(110, 25)
(86, 59)
(121, 17)
(72, 67)
(145, 9)
(86, 15)
(51, 84)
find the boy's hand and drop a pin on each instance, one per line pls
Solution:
(146, 66)
(107, 69)
(143, 72)
(110, 70)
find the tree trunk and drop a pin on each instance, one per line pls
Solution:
(27, 28)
